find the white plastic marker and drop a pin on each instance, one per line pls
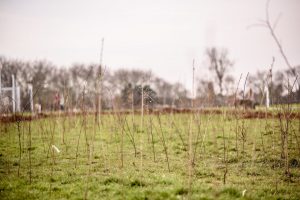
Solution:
(55, 148)
(244, 191)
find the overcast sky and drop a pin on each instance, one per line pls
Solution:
(161, 35)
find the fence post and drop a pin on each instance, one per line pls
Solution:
(13, 93)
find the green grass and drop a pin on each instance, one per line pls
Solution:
(259, 170)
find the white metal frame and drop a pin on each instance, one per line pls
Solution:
(15, 93)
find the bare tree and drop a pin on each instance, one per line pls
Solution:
(164, 91)
(220, 64)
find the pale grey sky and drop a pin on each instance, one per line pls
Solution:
(161, 35)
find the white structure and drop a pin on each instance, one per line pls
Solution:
(38, 108)
(30, 97)
(15, 94)
(267, 96)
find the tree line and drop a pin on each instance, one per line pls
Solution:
(79, 79)
(123, 88)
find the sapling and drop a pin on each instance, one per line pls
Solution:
(236, 114)
(132, 110)
(64, 116)
(285, 126)
(243, 128)
(54, 150)
(294, 131)
(77, 146)
(152, 136)
(224, 156)
(268, 84)
(198, 121)
(184, 145)
(90, 159)
(190, 158)
(142, 127)
(130, 134)
(122, 145)
(162, 137)
(20, 145)
(29, 151)
(121, 123)
(82, 124)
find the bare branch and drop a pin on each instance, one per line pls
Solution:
(272, 32)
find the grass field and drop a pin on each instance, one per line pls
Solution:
(180, 156)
